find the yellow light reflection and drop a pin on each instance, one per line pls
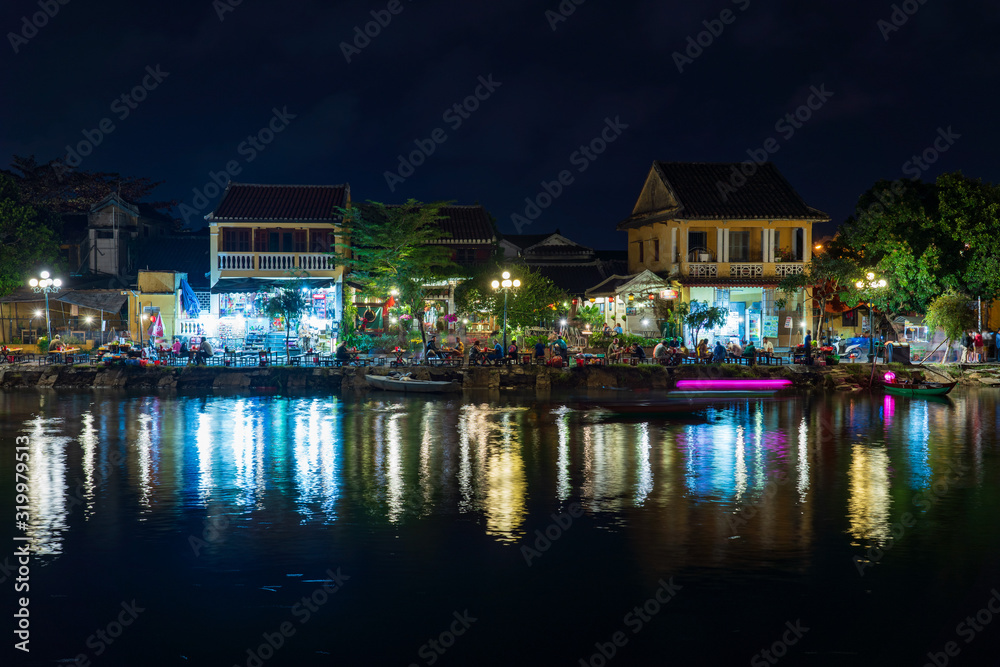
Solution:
(869, 503)
(47, 487)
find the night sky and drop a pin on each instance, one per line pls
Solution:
(222, 72)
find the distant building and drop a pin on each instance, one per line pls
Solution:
(570, 266)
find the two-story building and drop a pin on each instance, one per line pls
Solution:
(728, 234)
(263, 237)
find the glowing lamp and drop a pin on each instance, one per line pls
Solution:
(889, 376)
(496, 284)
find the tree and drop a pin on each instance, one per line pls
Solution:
(703, 316)
(822, 279)
(951, 313)
(67, 190)
(26, 238)
(289, 303)
(591, 315)
(396, 247)
(535, 303)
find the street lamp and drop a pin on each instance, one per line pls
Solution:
(506, 285)
(866, 287)
(46, 285)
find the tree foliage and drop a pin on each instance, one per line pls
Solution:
(923, 239)
(62, 189)
(822, 279)
(27, 240)
(952, 313)
(537, 302)
(289, 303)
(703, 316)
(396, 248)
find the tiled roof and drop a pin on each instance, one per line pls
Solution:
(251, 203)
(466, 224)
(522, 241)
(712, 191)
(184, 253)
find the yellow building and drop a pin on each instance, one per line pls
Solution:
(728, 233)
(263, 237)
(156, 293)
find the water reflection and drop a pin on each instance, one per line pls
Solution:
(394, 462)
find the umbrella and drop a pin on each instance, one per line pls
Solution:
(156, 327)
(189, 300)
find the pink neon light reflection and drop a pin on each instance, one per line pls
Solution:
(734, 384)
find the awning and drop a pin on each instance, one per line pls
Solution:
(110, 301)
(243, 285)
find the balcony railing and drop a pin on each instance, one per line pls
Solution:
(275, 261)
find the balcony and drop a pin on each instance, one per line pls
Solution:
(274, 262)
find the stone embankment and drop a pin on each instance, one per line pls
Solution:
(279, 378)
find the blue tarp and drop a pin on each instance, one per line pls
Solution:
(189, 300)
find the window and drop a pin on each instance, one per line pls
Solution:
(656, 250)
(850, 318)
(641, 258)
(739, 246)
(465, 256)
(697, 240)
(321, 240)
(300, 240)
(235, 240)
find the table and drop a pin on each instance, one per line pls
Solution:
(11, 355)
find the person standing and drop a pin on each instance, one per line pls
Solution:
(809, 347)
(978, 343)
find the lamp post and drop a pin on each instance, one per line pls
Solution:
(866, 287)
(46, 285)
(506, 284)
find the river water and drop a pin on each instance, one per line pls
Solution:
(318, 530)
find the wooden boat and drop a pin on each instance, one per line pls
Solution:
(919, 388)
(406, 384)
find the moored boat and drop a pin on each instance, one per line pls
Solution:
(407, 384)
(919, 388)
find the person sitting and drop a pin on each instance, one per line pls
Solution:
(660, 352)
(476, 353)
(702, 352)
(175, 350)
(343, 355)
(638, 352)
(205, 352)
(540, 351)
(432, 350)
(607, 329)
(736, 351)
(512, 350)
(614, 352)
(496, 356)
(766, 349)
(750, 353)
(719, 353)
(183, 352)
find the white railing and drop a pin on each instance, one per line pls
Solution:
(785, 269)
(316, 262)
(236, 261)
(276, 261)
(703, 270)
(746, 270)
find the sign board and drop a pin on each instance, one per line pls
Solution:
(788, 323)
(669, 294)
(770, 326)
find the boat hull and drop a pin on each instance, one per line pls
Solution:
(929, 389)
(412, 386)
